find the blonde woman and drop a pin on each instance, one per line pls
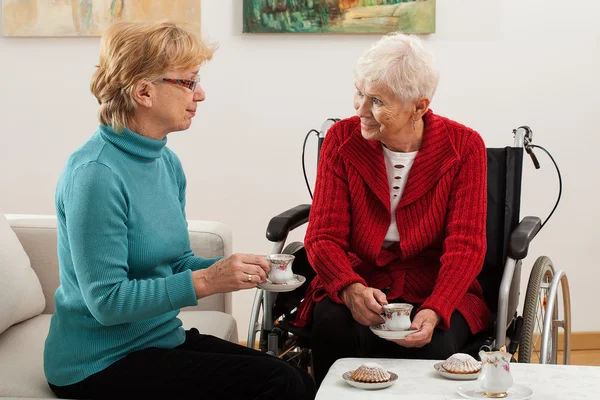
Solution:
(126, 267)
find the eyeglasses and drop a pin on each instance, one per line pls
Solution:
(191, 84)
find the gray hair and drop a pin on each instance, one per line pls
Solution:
(401, 63)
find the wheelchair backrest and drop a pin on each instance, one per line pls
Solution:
(505, 167)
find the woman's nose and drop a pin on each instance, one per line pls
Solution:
(361, 109)
(199, 94)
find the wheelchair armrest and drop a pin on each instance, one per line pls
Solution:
(520, 238)
(280, 225)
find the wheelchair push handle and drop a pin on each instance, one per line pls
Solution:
(534, 159)
(524, 138)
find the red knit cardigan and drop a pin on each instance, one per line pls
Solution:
(441, 219)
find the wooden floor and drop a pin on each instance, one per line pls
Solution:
(585, 348)
(579, 357)
(583, 357)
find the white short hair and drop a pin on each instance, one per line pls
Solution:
(401, 63)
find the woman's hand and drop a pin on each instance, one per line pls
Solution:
(425, 322)
(236, 272)
(365, 303)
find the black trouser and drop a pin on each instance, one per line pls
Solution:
(204, 367)
(337, 335)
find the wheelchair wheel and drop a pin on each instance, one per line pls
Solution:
(300, 357)
(293, 247)
(534, 314)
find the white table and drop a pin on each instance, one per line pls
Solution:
(417, 380)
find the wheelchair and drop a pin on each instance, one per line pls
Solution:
(531, 337)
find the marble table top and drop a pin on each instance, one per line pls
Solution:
(418, 380)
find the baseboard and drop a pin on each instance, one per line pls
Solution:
(579, 341)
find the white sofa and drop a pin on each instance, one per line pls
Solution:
(21, 346)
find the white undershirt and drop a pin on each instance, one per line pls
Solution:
(398, 166)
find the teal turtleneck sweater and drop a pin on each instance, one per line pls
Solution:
(124, 252)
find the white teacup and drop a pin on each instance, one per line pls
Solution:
(397, 316)
(281, 267)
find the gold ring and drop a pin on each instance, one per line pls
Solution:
(249, 278)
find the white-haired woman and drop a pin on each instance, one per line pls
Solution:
(126, 266)
(398, 215)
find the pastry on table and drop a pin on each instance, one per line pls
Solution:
(371, 373)
(461, 363)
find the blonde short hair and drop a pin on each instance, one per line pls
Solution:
(135, 51)
(401, 63)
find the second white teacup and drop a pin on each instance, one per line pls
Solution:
(281, 267)
(397, 316)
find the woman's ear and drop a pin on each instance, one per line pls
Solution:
(143, 93)
(421, 106)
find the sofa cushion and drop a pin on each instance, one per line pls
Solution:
(21, 359)
(22, 348)
(21, 295)
(214, 323)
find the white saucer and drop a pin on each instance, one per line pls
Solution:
(283, 287)
(369, 386)
(457, 377)
(473, 391)
(383, 333)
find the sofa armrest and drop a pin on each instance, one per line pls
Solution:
(220, 243)
(211, 239)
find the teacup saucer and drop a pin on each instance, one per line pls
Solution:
(457, 377)
(369, 386)
(283, 287)
(473, 391)
(383, 333)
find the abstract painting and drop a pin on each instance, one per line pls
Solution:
(339, 16)
(91, 17)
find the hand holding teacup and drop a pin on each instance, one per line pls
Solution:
(424, 323)
(365, 303)
(229, 274)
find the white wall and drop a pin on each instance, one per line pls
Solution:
(504, 63)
